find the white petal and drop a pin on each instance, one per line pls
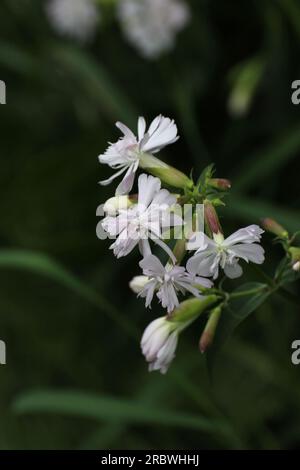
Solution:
(168, 297)
(151, 328)
(115, 175)
(233, 270)
(144, 247)
(152, 266)
(141, 128)
(126, 184)
(249, 252)
(162, 132)
(148, 188)
(249, 234)
(125, 130)
(200, 242)
(203, 264)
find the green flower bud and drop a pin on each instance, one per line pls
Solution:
(190, 309)
(168, 174)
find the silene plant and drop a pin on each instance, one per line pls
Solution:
(185, 256)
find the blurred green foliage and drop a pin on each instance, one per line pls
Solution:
(70, 323)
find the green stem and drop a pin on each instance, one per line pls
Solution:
(246, 292)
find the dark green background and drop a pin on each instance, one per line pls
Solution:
(77, 330)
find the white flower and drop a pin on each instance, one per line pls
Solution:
(125, 154)
(168, 281)
(151, 25)
(159, 343)
(226, 253)
(74, 18)
(146, 219)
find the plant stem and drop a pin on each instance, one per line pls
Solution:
(246, 292)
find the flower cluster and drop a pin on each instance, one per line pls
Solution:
(149, 25)
(142, 220)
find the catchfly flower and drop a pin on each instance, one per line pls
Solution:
(126, 154)
(167, 281)
(225, 253)
(74, 18)
(151, 25)
(159, 343)
(191, 237)
(144, 220)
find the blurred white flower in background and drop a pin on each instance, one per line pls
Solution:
(75, 18)
(151, 25)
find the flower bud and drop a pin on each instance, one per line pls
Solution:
(244, 79)
(159, 343)
(190, 309)
(294, 251)
(210, 329)
(219, 183)
(296, 266)
(168, 174)
(117, 203)
(211, 218)
(160, 338)
(138, 283)
(274, 227)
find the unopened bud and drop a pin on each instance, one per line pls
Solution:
(294, 251)
(208, 334)
(211, 218)
(138, 283)
(168, 174)
(219, 183)
(117, 203)
(296, 266)
(274, 227)
(190, 309)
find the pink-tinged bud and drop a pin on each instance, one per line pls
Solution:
(208, 334)
(274, 227)
(211, 218)
(220, 183)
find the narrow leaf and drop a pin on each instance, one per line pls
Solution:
(108, 408)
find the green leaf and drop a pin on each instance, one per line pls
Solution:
(206, 174)
(238, 309)
(42, 264)
(109, 409)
